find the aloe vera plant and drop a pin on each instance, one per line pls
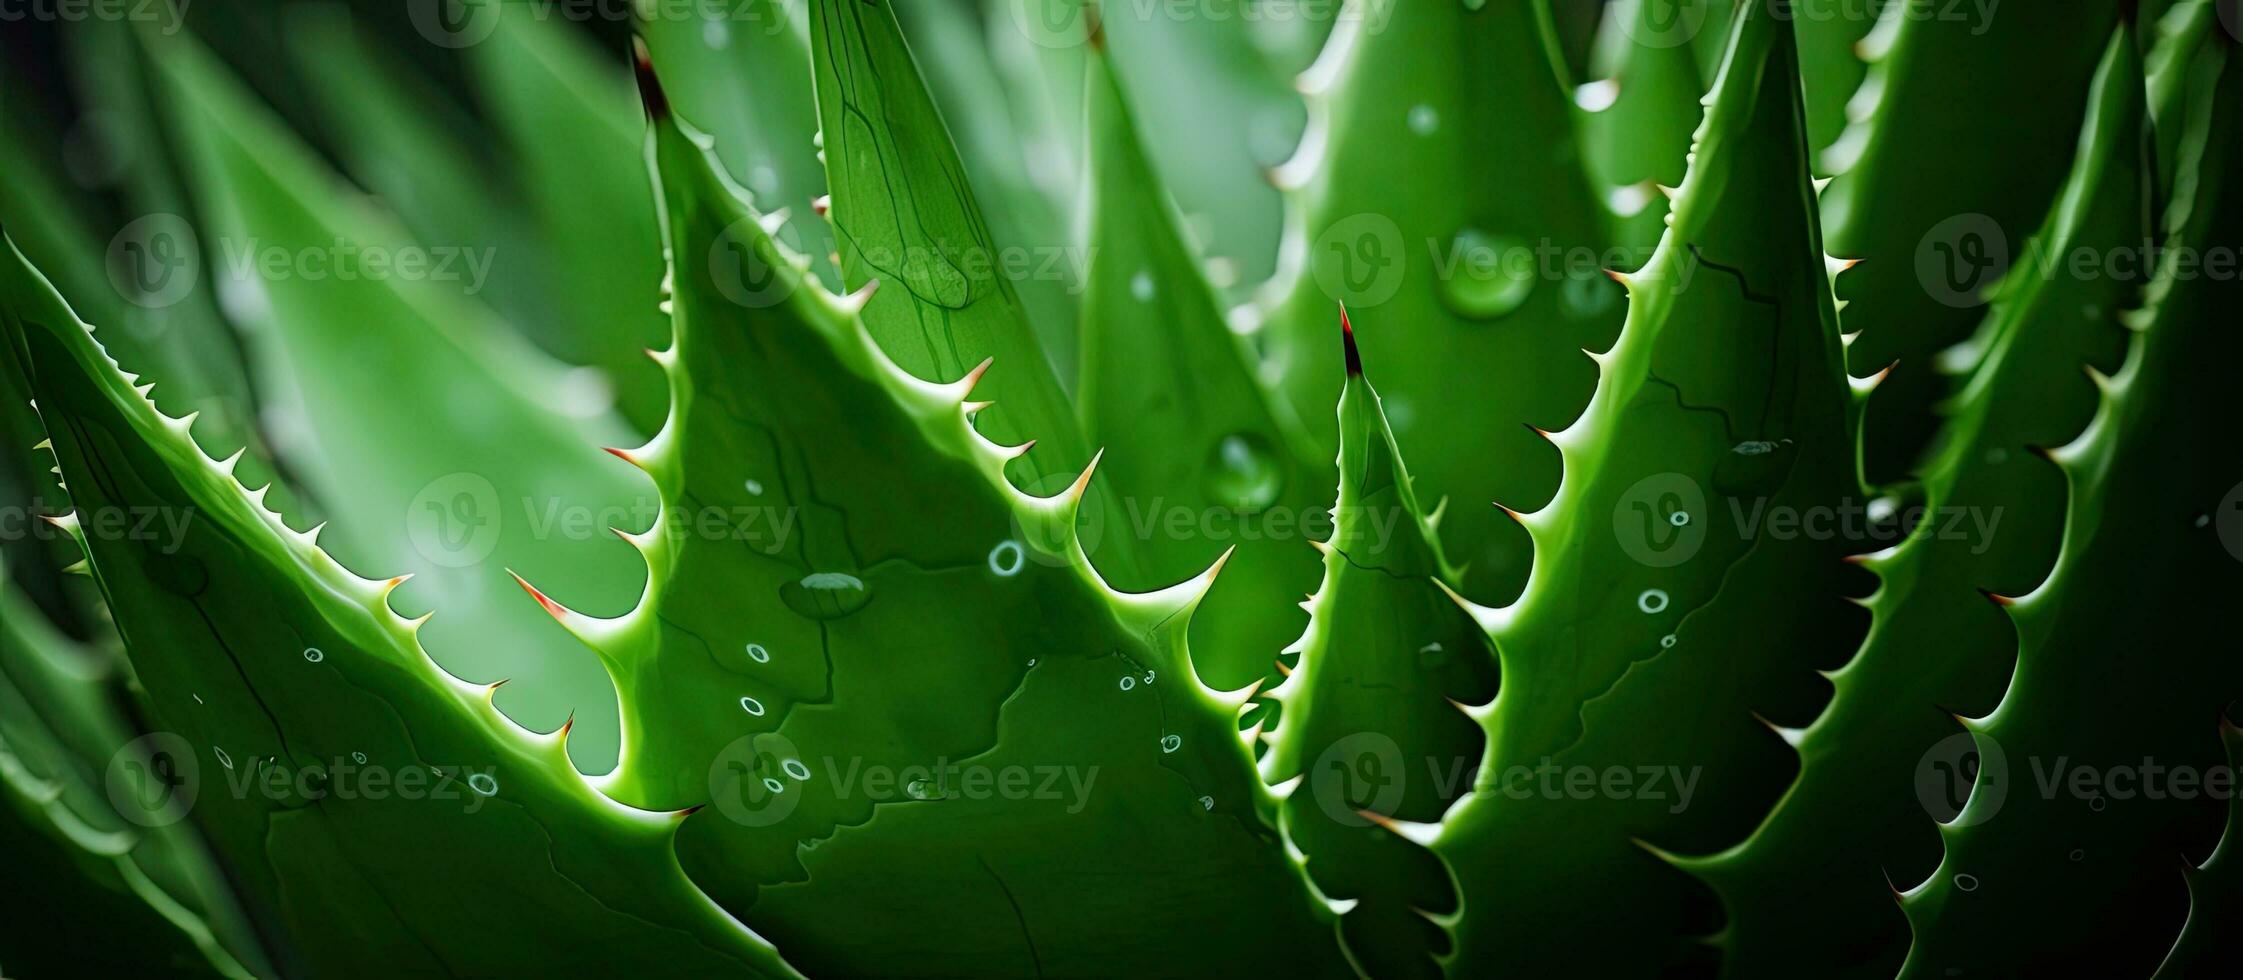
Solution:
(1610, 489)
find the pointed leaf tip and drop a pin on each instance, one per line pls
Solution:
(554, 609)
(1347, 337)
(650, 88)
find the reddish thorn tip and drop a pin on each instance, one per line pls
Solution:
(1347, 337)
(554, 609)
(622, 454)
(650, 88)
(1997, 598)
(1094, 26)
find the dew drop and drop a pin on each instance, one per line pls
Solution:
(1148, 677)
(1754, 468)
(825, 595)
(1242, 472)
(1207, 803)
(1653, 601)
(920, 789)
(715, 35)
(1128, 682)
(1966, 882)
(1666, 642)
(1007, 558)
(358, 757)
(757, 653)
(1492, 276)
(755, 488)
(1170, 743)
(752, 706)
(795, 769)
(1141, 286)
(483, 783)
(223, 758)
(1424, 119)
(2079, 854)
(314, 654)
(774, 785)
(1680, 518)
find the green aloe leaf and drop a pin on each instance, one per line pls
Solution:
(1937, 232)
(837, 689)
(2215, 890)
(66, 735)
(742, 75)
(904, 211)
(573, 133)
(1642, 112)
(1197, 460)
(454, 444)
(1498, 272)
(1669, 602)
(1387, 655)
(2115, 707)
(1991, 516)
(288, 681)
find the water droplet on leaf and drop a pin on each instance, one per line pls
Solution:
(1424, 119)
(1243, 472)
(825, 595)
(1489, 276)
